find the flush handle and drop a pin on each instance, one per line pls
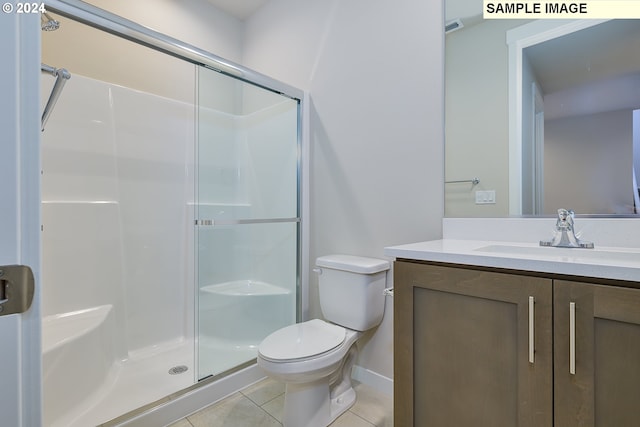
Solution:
(16, 289)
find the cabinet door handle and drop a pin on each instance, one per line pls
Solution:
(532, 318)
(572, 338)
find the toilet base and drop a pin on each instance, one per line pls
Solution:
(310, 405)
(318, 403)
(342, 403)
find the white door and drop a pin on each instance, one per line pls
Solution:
(20, 372)
(538, 150)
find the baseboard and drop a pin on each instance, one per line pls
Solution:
(373, 379)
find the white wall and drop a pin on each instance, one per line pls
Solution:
(110, 58)
(588, 163)
(117, 180)
(374, 72)
(477, 94)
(196, 22)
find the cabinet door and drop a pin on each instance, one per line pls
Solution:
(462, 348)
(598, 383)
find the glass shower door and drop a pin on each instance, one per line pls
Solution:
(247, 218)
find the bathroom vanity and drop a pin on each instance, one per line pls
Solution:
(492, 334)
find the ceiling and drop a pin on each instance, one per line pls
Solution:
(608, 50)
(241, 9)
(462, 9)
(560, 63)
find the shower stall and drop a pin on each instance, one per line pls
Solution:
(172, 216)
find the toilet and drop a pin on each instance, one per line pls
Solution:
(314, 358)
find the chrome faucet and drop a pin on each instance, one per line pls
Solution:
(565, 236)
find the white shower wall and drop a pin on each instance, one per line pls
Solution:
(245, 173)
(121, 256)
(117, 186)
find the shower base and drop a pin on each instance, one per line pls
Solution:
(86, 383)
(142, 378)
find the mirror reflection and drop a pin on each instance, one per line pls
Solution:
(544, 113)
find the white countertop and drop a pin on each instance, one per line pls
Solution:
(601, 262)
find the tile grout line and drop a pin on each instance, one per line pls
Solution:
(363, 419)
(261, 405)
(261, 408)
(246, 394)
(265, 403)
(274, 418)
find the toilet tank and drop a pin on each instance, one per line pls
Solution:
(351, 290)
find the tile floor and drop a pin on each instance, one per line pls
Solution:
(261, 405)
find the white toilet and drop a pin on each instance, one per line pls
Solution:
(314, 358)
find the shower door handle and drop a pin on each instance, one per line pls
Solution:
(16, 289)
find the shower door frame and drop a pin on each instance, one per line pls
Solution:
(129, 30)
(207, 221)
(132, 31)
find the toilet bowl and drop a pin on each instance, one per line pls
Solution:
(310, 358)
(315, 358)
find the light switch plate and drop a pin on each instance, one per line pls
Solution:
(485, 197)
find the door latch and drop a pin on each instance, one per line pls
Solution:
(16, 289)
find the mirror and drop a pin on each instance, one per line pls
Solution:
(542, 114)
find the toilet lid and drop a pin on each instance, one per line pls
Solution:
(302, 340)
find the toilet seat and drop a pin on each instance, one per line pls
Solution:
(302, 341)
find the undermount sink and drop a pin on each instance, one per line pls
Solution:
(602, 255)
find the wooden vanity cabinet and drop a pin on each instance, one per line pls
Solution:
(462, 348)
(605, 388)
(463, 355)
